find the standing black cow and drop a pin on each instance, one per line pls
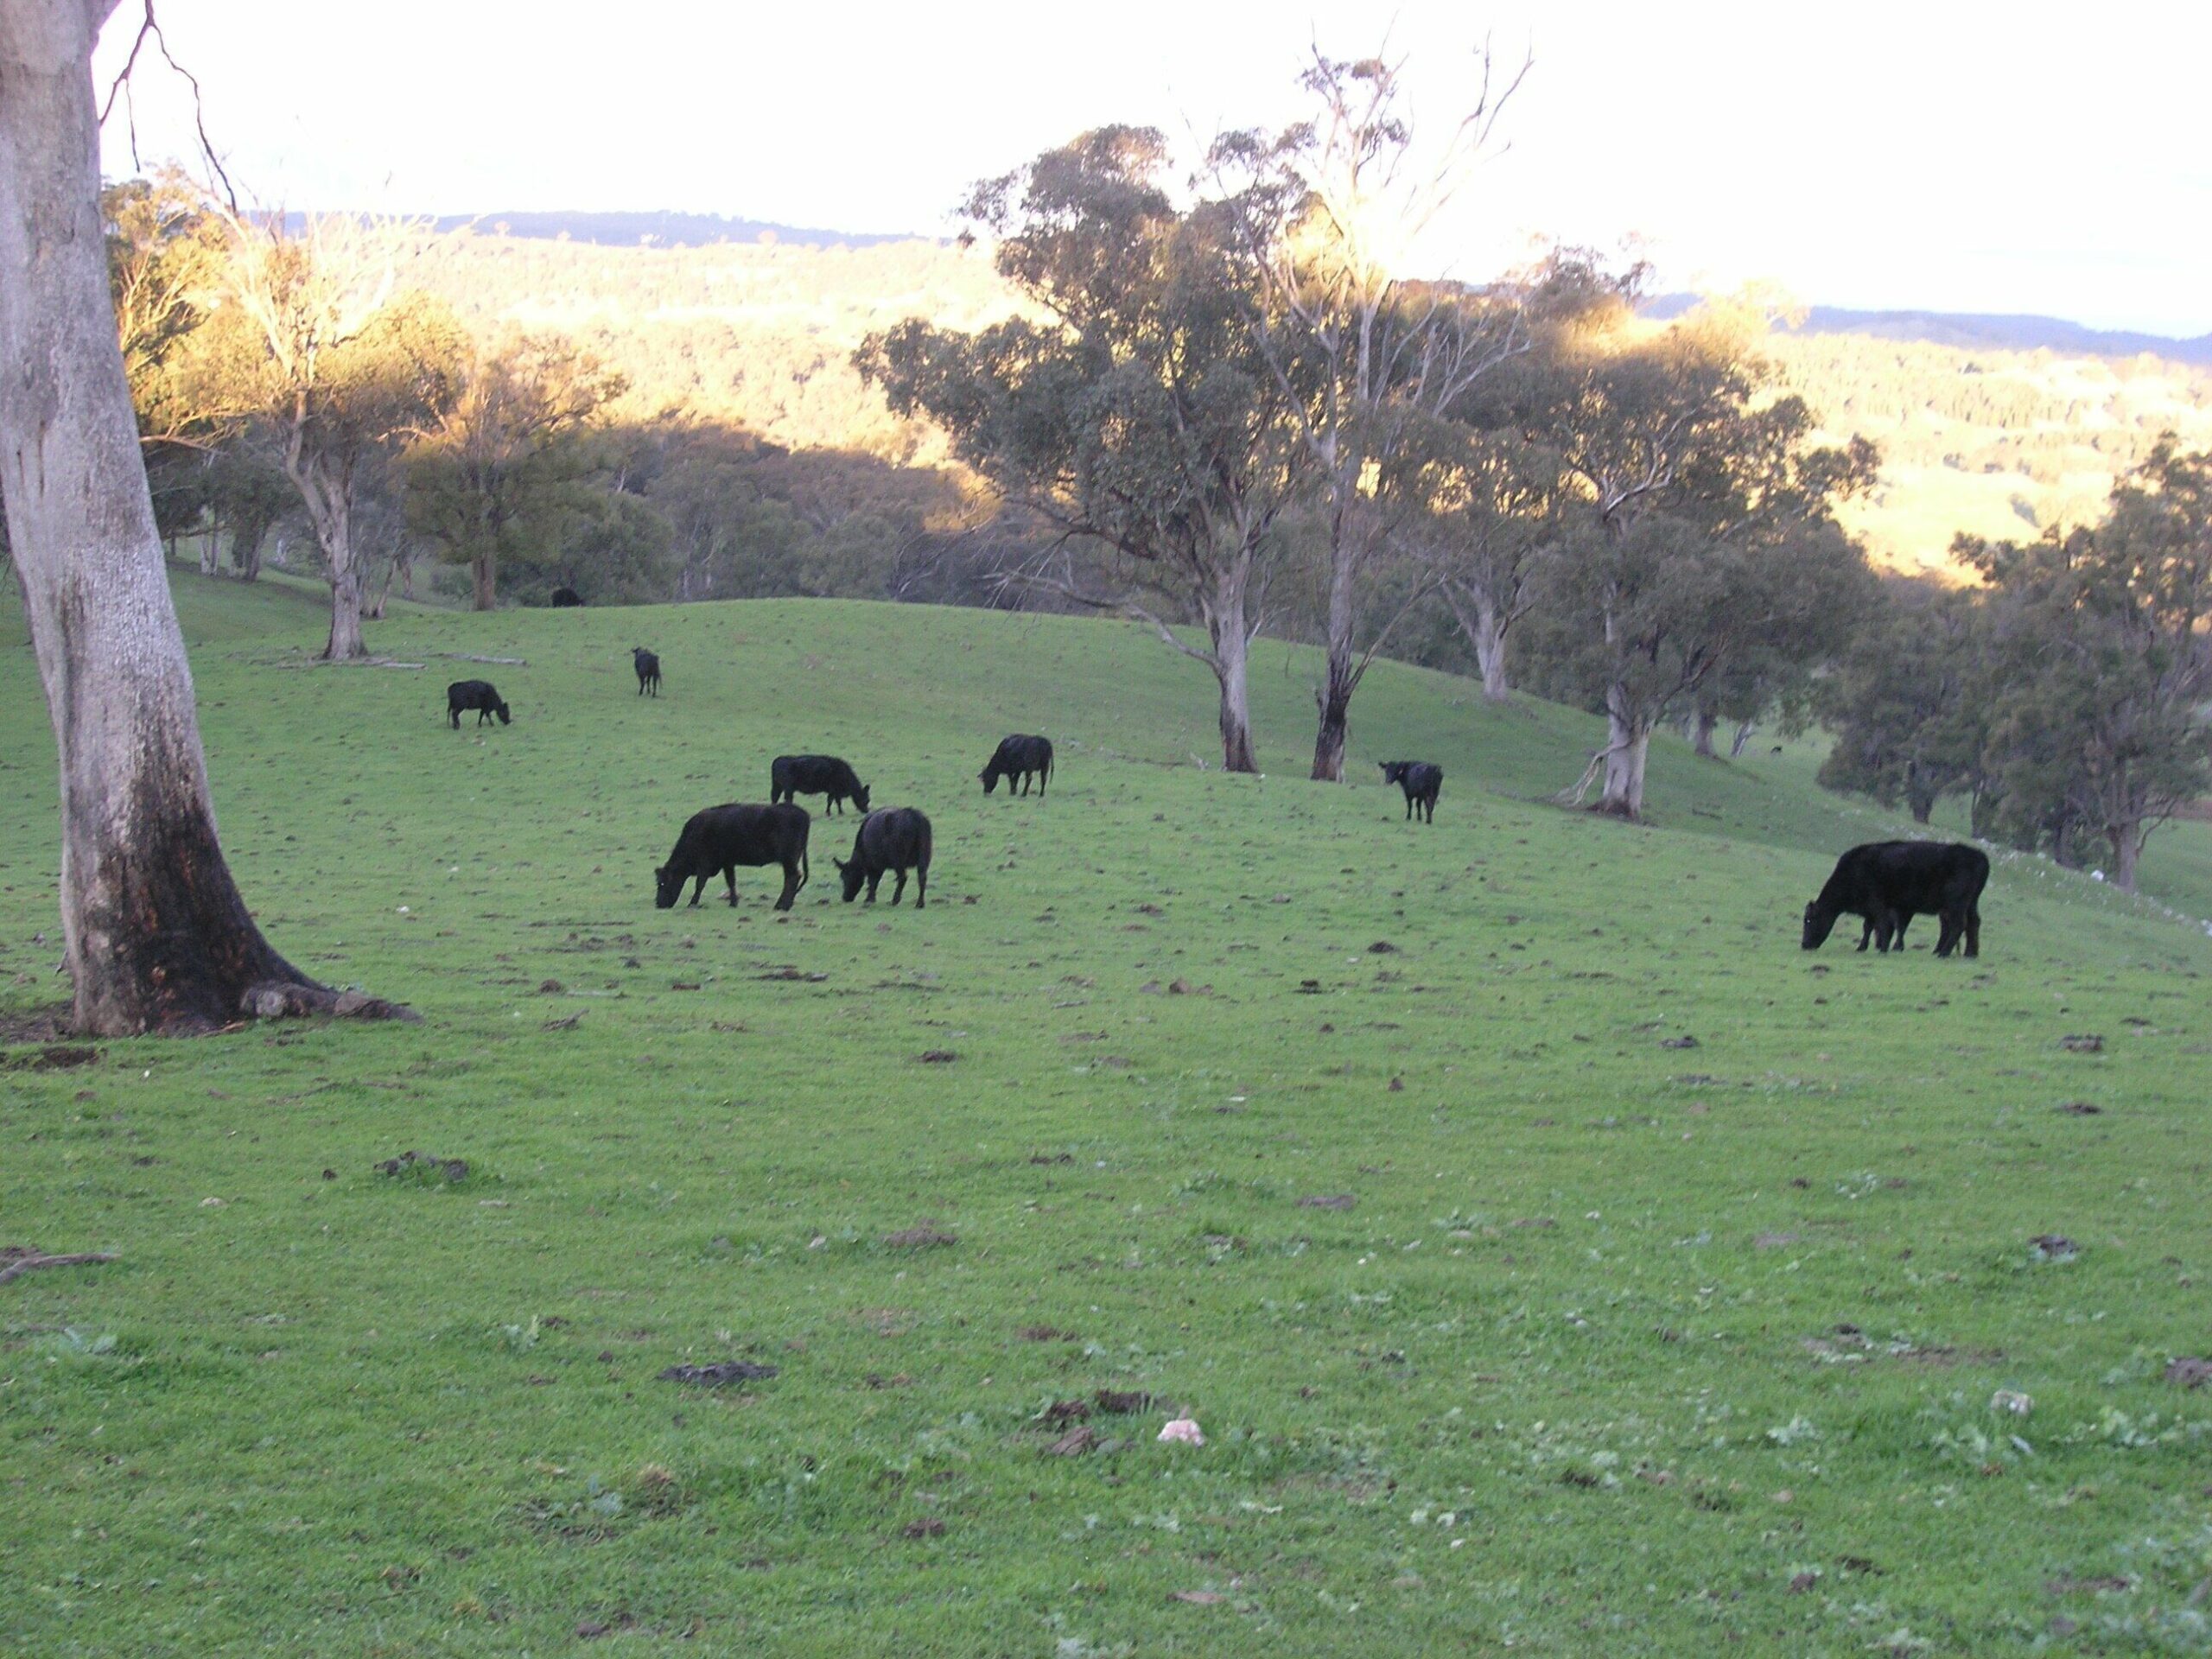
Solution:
(1889, 882)
(566, 599)
(1421, 780)
(817, 774)
(648, 667)
(1019, 758)
(720, 838)
(895, 839)
(464, 694)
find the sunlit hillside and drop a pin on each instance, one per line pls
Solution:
(1994, 442)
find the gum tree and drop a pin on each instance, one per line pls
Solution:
(158, 938)
(1134, 415)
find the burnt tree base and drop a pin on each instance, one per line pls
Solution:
(166, 947)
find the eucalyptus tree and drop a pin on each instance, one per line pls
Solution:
(1714, 537)
(311, 344)
(1327, 212)
(500, 464)
(2101, 667)
(1130, 408)
(157, 937)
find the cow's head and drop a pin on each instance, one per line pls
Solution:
(1819, 924)
(852, 877)
(667, 886)
(500, 710)
(859, 797)
(990, 777)
(1394, 772)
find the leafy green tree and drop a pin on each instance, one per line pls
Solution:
(1712, 540)
(1905, 703)
(2101, 657)
(1322, 212)
(311, 345)
(615, 549)
(501, 462)
(1136, 414)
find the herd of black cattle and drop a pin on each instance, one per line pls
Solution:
(1884, 883)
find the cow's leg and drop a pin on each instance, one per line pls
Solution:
(899, 887)
(729, 874)
(875, 881)
(1866, 933)
(1949, 936)
(455, 713)
(922, 888)
(791, 886)
(698, 887)
(1974, 929)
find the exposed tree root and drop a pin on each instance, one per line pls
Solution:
(292, 1000)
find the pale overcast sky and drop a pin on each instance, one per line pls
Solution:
(1954, 156)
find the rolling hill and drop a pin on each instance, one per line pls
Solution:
(1553, 1255)
(1979, 433)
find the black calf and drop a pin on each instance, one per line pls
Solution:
(722, 837)
(648, 667)
(1421, 780)
(895, 839)
(465, 695)
(1018, 759)
(815, 774)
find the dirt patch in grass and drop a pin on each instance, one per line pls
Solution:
(53, 1057)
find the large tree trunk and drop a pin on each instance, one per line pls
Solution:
(1334, 700)
(1628, 742)
(2126, 848)
(1483, 620)
(157, 937)
(1736, 744)
(1333, 696)
(1701, 732)
(1229, 628)
(330, 512)
(483, 569)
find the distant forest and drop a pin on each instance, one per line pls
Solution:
(1984, 440)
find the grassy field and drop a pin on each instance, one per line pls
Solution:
(1602, 1343)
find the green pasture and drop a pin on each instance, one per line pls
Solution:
(1664, 1281)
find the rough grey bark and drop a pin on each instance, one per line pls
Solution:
(1230, 628)
(157, 937)
(1628, 744)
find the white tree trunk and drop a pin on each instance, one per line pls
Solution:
(157, 936)
(1229, 627)
(1628, 742)
(1483, 620)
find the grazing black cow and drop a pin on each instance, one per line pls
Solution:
(566, 599)
(648, 667)
(722, 837)
(895, 839)
(1419, 779)
(1889, 882)
(464, 694)
(817, 774)
(1019, 758)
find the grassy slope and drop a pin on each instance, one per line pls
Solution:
(1570, 1310)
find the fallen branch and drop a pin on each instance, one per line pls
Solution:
(465, 657)
(23, 1264)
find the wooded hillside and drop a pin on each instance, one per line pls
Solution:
(1989, 442)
